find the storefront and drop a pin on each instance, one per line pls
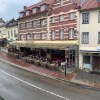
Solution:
(90, 60)
(55, 52)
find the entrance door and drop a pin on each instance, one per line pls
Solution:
(71, 59)
(96, 63)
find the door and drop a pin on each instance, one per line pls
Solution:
(96, 63)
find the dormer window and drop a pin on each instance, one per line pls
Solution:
(27, 13)
(72, 1)
(62, 3)
(21, 14)
(43, 7)
(34, 10)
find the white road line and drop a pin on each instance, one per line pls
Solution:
(35, 86)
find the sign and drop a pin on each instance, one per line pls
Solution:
(98, 48)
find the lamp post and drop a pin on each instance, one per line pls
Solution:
(67, 48)
(65, 69)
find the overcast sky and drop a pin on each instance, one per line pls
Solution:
(10, 8)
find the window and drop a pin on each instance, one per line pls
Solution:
(85, 18)
(43, 7)
(71, 16)
(72, 1)
(52, 20)
(28, 25)
(99, 17)
(98, 37)
(85, 37)
(61, 18)
(53, 35)
(15, 34)
(71, 33)
(21, 14)
(43, 22)
(34, 23)
(86, 59)
(34, 10)
(8, 34)
(62, 3)
(22, 37)
(27, 13)
(43, 36)
(61, 34)
(22, 26)
(28, 36)
(11, 34)
(35, 36)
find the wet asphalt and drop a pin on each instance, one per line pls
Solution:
(12, 88)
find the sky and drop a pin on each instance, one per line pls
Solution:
(10, 8)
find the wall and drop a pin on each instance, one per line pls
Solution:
(12, 38)
(65, 10)
(3, 32)
(93, 28)
(39, 29)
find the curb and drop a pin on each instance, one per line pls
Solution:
(48, 76)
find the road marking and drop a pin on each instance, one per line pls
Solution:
(35, 86)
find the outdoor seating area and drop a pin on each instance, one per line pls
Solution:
(39, 57)
(36, 60)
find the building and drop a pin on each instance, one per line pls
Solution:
(2, 28)
(11, 30)
(1, 21)
(2, 33)
(89, 43)
(33, 25)
(33, 21)
(51, 28)
(64, 30)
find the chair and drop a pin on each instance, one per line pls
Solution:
(52, 65)
(63, 65)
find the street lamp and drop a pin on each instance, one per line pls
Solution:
(66, 62)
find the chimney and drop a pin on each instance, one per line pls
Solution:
(25, 7)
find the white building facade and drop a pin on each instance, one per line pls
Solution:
(12, 30)
(89, 38)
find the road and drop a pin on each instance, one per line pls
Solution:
(19, 84)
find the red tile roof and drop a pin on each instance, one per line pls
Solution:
(90, 4)
(49, 2)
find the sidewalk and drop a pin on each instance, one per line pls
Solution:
(32, 67)
(46, 72)
(88, 78)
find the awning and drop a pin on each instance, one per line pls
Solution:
(32, 44)
(52, 46)
(17, 44)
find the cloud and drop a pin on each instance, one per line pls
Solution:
(10, 8)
